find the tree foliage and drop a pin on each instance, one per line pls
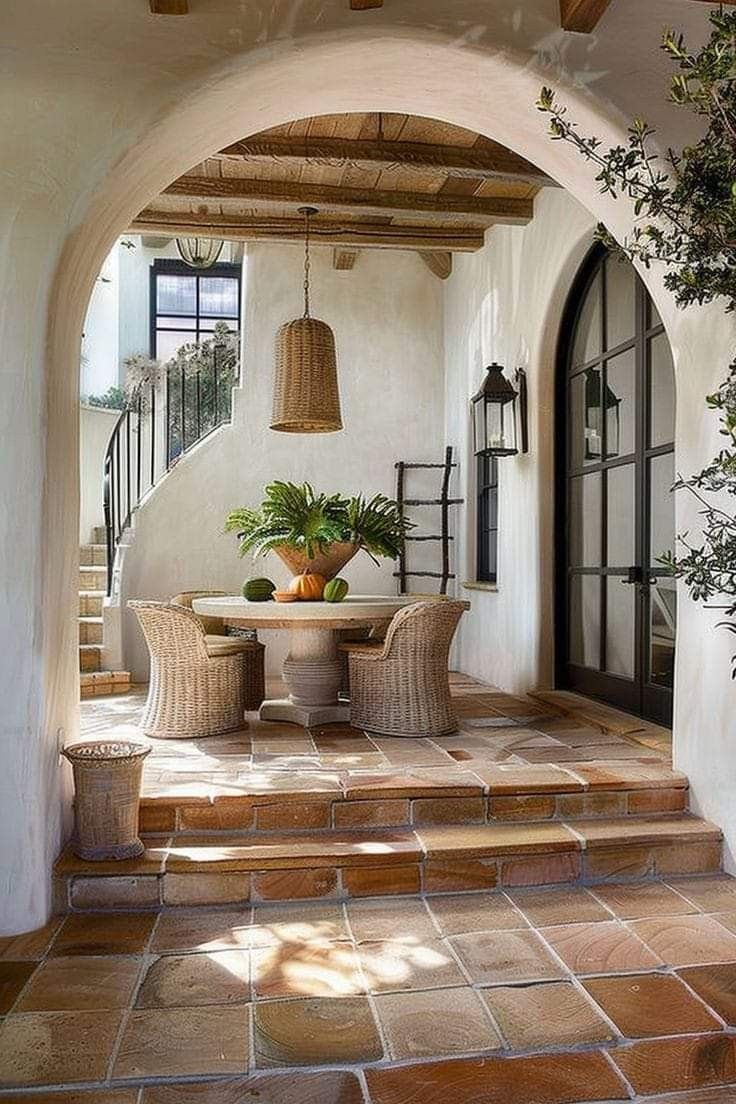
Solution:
(685, 217)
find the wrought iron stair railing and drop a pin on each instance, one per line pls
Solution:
(158, 425)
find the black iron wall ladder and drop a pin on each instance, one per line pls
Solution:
(444, 536)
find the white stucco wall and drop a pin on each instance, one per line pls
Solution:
(387, 317)
(99, 360)
(95, 426)
(504, 303)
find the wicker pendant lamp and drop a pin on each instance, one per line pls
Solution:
(306, 398)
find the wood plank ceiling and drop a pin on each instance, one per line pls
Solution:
(388, 181)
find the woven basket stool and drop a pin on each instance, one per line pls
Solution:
(107, 784)
(200, 685)
(400, 687)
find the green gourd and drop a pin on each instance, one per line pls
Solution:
(335, 591)
(258, 590)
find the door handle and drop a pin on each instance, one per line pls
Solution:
(634, 577)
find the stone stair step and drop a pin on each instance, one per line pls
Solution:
(219, 869)
(99, 535)
(175, 801)
(90, 630)
(92, 555)
(98, 683)
(89, 657)
(92, 577)
(91, 603)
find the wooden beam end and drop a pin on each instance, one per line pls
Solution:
(169, 7)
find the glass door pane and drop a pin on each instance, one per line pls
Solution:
(585, 620)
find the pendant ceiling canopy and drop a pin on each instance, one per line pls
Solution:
(199, 252)
(306, 395)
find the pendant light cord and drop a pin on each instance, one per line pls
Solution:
(306, 264)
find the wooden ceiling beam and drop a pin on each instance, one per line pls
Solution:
(339, 200)
(461, 239)
(491, 162)
(364, 5)
(581, 15)
(169, 7)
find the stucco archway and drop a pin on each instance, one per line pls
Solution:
(492, 93)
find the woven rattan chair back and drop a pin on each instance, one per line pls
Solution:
(174, 634)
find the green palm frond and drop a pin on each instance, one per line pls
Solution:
(292, 514)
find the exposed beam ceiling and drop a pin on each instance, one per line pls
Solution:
(490, 162)
(169, 7)
(581, 15)
(368, 201)
(463, 239)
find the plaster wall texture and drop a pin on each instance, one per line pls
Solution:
(100, 113)
(99, 366)
(387, 318)
(504, 303)
(95, 426)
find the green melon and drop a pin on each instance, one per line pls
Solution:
(335, 591)
(258, 590)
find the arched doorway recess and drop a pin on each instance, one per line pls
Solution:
(616, 604)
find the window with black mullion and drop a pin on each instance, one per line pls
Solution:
(487, 519)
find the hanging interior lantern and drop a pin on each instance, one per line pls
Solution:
(199, 252)
(306, 397)
(494, 415)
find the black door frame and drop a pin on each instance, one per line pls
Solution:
(639, 696)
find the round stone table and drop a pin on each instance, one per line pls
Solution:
(312, 669)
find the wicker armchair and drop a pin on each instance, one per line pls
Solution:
(400, 687)
(200, 685)
(213, 626)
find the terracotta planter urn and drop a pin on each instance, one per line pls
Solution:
(328, 563)
(107, 785)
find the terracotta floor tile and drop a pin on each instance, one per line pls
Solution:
(72, 1096)
(551, 1014)
(166, 1042)
(494, 958)
(185, 981)
(474, 912)
(672, 1065)
(632, 901)
(687, 940)
(298, 923)
(643, 1005)
(603, 948)
(319, 1031)
(710, 894)
(716, 985)
(468, 840)
(522, 779)
(610, 832)
(13, 977)
(82, 983)
(559, 905)
(30, 945)
(306, 970)
(317, 1087)
(541, 1079)
(435, 1022)
(279, 852)
(56, 1048)
(377, 919)
(196, 930)
(104, 934)
(727, 919)
(394, 966)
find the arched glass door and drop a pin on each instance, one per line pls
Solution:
(616, 608)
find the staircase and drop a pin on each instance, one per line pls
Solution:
(92, 589)
(520, 827)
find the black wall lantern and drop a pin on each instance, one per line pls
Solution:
(499, 414)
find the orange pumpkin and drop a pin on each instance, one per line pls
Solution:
(308, 587)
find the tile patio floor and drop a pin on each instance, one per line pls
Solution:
(497, 733)
(537, 996)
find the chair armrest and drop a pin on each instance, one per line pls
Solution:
(367, 650)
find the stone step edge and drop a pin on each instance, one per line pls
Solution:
(94, 678)
(136, 884)
(266, 813)
(366, 806)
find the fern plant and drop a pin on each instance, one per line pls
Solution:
(292, 514)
